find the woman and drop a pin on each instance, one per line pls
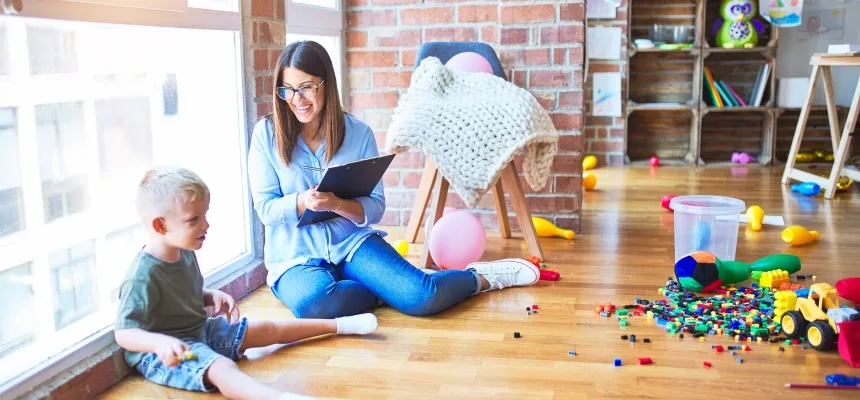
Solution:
(341, 266)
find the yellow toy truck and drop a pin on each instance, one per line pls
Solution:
(816, 317)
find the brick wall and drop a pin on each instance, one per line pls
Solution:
(604, 136)
(540, 45)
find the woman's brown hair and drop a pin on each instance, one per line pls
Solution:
(311, 58)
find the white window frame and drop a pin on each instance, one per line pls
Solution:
(153, 13)
(305, 19)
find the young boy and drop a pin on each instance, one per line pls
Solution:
(161, 322)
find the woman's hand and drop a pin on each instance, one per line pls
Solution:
(322, 201)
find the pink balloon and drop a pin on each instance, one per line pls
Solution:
(469, 62)
(457, 240)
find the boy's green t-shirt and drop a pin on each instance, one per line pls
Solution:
(161, 297)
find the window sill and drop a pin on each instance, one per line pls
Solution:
(237, 279)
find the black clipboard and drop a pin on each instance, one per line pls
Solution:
(348, 181)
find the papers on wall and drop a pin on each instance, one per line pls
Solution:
(782, 14)
(606, 94)
(604, 43)
(597, 9)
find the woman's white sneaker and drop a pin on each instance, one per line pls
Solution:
(509, 272)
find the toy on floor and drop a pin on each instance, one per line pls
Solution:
(798, 235)
(742, 158)
(755, 216)
(589, 181)
(545, 228)
(702, 271)
(545, 274)
(825, 325)
(665, 200)
(654, 161)
(739, 26)
(457, 240)
(806, 188)
(589, 162)
(402, 247)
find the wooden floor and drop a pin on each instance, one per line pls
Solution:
(625, 250)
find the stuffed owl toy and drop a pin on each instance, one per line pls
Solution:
(738, 26)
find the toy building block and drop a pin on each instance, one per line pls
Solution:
(617, 362)
(571, 352)
(772, 279)
(645, 361)
(740, 360)
(646, 340)
(624, 337)
(517, 335)
(707, 364)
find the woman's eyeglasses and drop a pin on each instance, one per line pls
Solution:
(307, 92)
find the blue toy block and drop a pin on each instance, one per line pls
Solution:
(571, 352)
(617, 362)
(740, 360)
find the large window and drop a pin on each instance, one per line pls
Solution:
(86, 107)
(11, 196)
(16, 304)
(4, 50)
(60, 134)
(73, 279)
(322, 22)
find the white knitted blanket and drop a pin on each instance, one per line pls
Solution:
(471, 125)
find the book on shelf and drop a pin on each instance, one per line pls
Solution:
(720, 94)
(761, 83)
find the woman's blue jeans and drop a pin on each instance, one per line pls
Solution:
(376, 272)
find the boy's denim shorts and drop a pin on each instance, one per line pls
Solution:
(217, 339)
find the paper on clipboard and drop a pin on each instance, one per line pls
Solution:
(348, 181)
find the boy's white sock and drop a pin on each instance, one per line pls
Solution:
(293, 396)
(357, 324)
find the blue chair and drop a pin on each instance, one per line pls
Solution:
(445, 50)
(435, 185)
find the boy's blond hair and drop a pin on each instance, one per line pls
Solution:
(162, 188)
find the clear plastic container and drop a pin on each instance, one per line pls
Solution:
(706, 223)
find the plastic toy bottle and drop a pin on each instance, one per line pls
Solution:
(755, 216)
(798, 235)
(544, 228)
(806, 188)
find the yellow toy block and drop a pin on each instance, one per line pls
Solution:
(772, 279)
(784, 300)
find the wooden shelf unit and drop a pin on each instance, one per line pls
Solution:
(665, 109)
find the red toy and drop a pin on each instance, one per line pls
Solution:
(664, 202)
(645, 361)
(547, 275)
(849, 331)
(707, 364)
(654, 161)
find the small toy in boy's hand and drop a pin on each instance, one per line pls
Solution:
(187, 356)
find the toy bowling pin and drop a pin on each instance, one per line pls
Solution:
(755, 216)
(798, 235)
(545, 228)
(806, 188)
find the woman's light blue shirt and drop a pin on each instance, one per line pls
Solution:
(275, 188)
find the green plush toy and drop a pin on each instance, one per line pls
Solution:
(739, 26)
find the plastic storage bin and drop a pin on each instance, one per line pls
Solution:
(706, 223)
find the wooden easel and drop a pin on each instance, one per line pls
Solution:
(822, 62)
(435, 185)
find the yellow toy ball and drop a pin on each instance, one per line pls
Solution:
(589, 181)
(402, 247)
(589, 162)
